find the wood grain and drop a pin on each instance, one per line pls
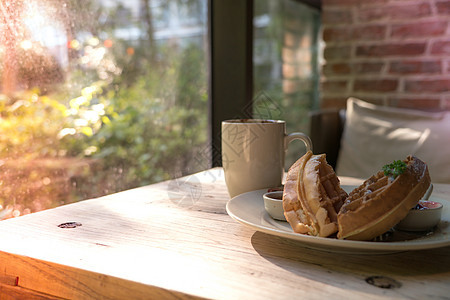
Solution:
(175, 240)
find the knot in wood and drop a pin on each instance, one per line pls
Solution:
(383, 282)
(69, 225)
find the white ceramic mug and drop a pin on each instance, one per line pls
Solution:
(253, 152)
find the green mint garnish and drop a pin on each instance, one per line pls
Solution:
(394, 169)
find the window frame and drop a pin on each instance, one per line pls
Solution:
(230, 60)
(230, 34)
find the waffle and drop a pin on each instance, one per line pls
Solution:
(312, 196)
(381, 201)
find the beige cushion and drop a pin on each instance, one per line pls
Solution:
(376, 135)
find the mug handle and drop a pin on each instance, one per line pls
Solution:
(298, 136)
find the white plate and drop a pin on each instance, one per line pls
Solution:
(248, 209)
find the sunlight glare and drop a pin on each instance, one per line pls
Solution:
(74, 44)
(34, 15)
(26, 45)
(42, 24)
(66, 131)
(93, 41)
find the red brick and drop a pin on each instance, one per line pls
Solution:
(292, 24)
(407, 11)
(415, 67)
(288, 55)
(354, 68)
(347, 3)
(336, 16)
(427, 86)
(371, 14)
(290, 86)
(326, 3)
(341, 100)
(337, 52)
(446, 104)
(305, 84)
(336, 68)
(443, 7)
(294, 71)
(334, 102)
(304, 70)
(335, 85)
(441, 47)
(337, 34)
(375, 85)
(374, 99)
(372, 32)
(404, 11)
(405, 49)
(289, 71)
(290, 39)
(303, 56)
(306, 42)
(428, 103)
(423, 29)
(368, 67)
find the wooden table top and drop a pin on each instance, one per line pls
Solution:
(175, 239)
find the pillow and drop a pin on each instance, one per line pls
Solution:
(377, 135)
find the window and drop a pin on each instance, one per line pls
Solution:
(286, 72)
(99, 96)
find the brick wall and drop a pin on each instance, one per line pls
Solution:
(388, 52)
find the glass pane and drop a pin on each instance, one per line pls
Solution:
(285, 61)
(98, 96)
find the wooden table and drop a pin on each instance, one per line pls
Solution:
(175, 240)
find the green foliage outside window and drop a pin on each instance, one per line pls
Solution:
(140, 126)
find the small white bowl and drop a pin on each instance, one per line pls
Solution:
(422, 219)
(273, 204)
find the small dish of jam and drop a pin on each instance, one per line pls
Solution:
(424, 216)
(273, 203)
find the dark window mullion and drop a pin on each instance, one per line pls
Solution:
(231, 65)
